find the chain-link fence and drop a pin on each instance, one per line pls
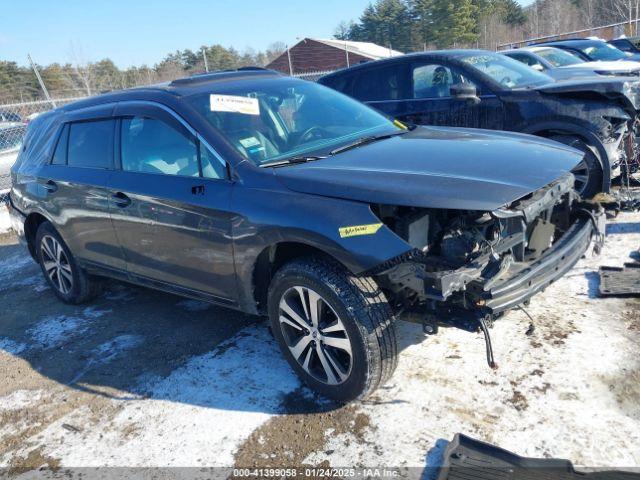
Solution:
(14, 118)
(312, 76)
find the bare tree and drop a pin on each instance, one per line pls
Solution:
(82, 68)
(626, 10)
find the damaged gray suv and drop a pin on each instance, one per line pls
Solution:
(281, 197)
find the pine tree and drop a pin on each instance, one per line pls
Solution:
(454, 23)
(422, 22)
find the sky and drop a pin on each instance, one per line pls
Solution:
(136, 32)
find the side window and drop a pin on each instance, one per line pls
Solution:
(60, 154)
(435, 81)
(151, 146)
(378, 84)
(90, 144)
(526, 59)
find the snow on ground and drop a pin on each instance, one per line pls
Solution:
(571, 389)
(198, 416)
(55, 330)
(5, 220)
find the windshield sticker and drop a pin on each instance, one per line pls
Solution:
(250, 142)
(231, 103)
(355, 230)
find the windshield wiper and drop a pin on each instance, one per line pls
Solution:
(365, 140)
(292, 160)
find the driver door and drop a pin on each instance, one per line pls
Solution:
(431, 102)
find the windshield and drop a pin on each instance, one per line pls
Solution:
(603, 51)
(506, 71)
(284, 118)
(557, 57)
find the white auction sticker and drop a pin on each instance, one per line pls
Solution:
(231, 103)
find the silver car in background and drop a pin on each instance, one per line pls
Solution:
(561, 64)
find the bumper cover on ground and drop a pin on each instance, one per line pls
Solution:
(469, 459)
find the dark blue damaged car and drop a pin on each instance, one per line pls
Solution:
(284, 198)
(482, 89)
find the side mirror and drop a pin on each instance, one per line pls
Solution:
(464, 91)
(537, 67)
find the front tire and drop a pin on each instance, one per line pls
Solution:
(588, 172)
(68, 281)
(336, 330)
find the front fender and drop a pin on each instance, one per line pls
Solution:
(590, 137)
(263, 218)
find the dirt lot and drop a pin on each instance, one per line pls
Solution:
(140, 379)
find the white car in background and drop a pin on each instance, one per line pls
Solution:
(561, 64)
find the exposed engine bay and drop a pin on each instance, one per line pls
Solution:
(486, 262)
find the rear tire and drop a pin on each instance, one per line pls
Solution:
(68, 281)
(588, 173)
(349, 348)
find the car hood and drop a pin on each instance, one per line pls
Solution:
(625, 89)
(432, 167)
(619, 66)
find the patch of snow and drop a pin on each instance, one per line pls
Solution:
(93, 312)
(56, 330)
(20, 399)
(37, 282)
(11, 347)
(197, 416)
(13, 264)
(5, 219)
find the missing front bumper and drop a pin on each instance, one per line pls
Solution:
(517, 285)
(492, 288)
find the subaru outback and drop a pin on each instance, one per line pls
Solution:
(281, 197)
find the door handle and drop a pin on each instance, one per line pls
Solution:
(50, 186)
(121, 200)
(197, 190)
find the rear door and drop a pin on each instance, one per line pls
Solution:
(74, 187)
(170, 204)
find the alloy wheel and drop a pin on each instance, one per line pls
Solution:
(315, 335)
(56, 264)
(581, 174)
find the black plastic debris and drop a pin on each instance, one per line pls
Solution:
(617, 281)
(469, 459)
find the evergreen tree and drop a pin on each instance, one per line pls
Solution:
(454, 23)
(421, 12)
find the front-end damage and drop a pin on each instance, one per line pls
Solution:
(470, 265)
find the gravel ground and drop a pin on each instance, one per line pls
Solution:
(145, 379)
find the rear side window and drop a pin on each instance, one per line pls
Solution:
(60, 155)
(91, 144)
(379, 84)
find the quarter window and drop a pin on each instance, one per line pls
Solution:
(60, 155)
(90, 144)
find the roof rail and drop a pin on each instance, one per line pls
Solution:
(204, 76)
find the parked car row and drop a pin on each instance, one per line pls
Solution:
(281, 197)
